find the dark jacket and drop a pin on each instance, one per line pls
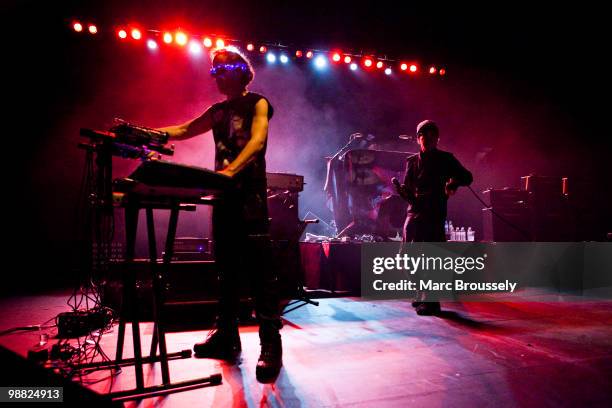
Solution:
(425, 180)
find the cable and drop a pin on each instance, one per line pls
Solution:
(95, 235)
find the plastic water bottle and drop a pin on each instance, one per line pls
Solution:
(471, 235)
(462, 234)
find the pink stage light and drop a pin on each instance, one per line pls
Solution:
(309, 54)
(250, 47)
(336, 57)
(432, 70)
(347, 60)
(167, 38)
(220, 43)
(92, 29)
(367, 62)
(299, 54)
(404, 66)
(413, 68)
(263, 49)
(78, 27)
(379, 64)
(442, 71)
(207, 42)
(122, 34)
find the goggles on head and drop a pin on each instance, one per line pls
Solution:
(223, 68)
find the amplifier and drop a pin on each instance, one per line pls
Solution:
(285, 181)
(506, 197)
(543, 185)
(191, 244)
(548, 207)
(192, 249)
(284, 215)
(515, 228)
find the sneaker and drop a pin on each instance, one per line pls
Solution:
(270, 362)
(221, 344)
(428, 309)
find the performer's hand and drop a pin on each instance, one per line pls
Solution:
(397, 185)
(226, 172)
(450, 188)
(401, 189)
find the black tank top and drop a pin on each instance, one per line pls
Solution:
(232, 120)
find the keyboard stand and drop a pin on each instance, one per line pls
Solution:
(129, 307)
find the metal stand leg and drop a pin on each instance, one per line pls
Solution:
(301, 297)
(131, 224)
(129, 303)
(154, 272)
(159, 334)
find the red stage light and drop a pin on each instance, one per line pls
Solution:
(298, 54)
(404, 66)
(78, 27)
(250, 47)
(180, 38)
(263, 49)
(136, 34)
(432, 70)
(309, 54)
(413, 68)
(167, 38)
(367, 62)
(336, 57)
(122, 34)
(207, 42)
(442, 71)
(92, 29)
(379, 64)
(347, 60)
(220, 43)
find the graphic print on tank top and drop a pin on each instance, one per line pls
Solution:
(232, 131)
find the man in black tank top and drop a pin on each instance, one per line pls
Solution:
(240, 223)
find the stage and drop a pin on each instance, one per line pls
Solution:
(351, 352)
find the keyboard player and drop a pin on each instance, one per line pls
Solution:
(239, 125)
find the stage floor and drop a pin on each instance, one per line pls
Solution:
(350, 352)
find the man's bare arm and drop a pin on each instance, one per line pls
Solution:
(259, 135)
(191, 128)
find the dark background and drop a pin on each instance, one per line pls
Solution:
(526, 92)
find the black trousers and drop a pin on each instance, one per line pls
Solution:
(424, 227)
(243, 251)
